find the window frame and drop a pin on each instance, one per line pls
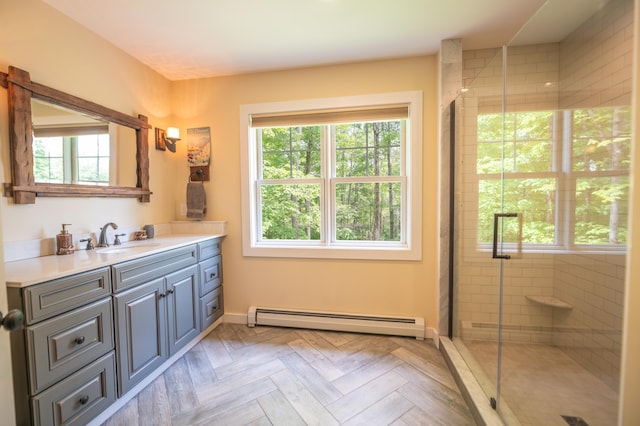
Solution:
(410, 248)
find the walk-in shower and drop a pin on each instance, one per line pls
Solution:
(540, 201)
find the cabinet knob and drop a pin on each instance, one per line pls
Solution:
(212, 275)
(170, 291)
(13, 320)
(79, 340)
(84, 400)
(161, 295)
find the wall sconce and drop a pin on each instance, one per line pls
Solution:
(167, 139)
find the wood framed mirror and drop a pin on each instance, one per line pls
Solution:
(24, 189)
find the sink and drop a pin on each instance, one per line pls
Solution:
(127, 247)
(107, 250)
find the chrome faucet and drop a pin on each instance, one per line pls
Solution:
(102, 241)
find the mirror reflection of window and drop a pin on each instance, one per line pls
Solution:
(70, 147)
(81, 156)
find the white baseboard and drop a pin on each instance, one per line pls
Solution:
(432, 333)
(235, 318)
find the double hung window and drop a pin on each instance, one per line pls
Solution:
(333, 177)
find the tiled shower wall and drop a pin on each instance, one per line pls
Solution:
(591, 333)
(597, 73)
(593, 73)
(596, 60)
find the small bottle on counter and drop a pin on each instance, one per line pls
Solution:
(64, 241)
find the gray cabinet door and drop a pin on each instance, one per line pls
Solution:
(141, 320)
(182, 307)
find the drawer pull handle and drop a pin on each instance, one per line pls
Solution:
(84, 400)
(79, 340)
(212, 276)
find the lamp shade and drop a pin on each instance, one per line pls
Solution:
(173, 133)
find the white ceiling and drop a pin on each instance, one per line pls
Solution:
(204, 38)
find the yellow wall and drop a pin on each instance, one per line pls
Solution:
(392, 288)
(59, 53)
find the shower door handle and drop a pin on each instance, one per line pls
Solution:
(496, 216)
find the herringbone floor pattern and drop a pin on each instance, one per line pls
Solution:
(266, 375)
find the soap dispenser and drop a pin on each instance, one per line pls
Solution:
(64, 241)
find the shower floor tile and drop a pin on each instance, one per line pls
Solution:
(541, 384)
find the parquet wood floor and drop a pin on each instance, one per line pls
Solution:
(267, 375)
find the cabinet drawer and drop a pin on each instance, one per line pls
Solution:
(211, 308)
(210, 274)
(145, 269)
(45, 300)
(209, 248)
(80, 397)
(59, 346)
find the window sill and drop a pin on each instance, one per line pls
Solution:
(400, 253)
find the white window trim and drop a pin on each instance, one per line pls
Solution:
(410, 250)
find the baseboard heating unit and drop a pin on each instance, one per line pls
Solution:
(376, 324)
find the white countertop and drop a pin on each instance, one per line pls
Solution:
(23, 273)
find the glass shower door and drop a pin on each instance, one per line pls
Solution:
(478, 197)
(502, 147)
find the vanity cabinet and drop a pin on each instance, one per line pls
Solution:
(91, 337)
(63, 360)
(157, 314)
